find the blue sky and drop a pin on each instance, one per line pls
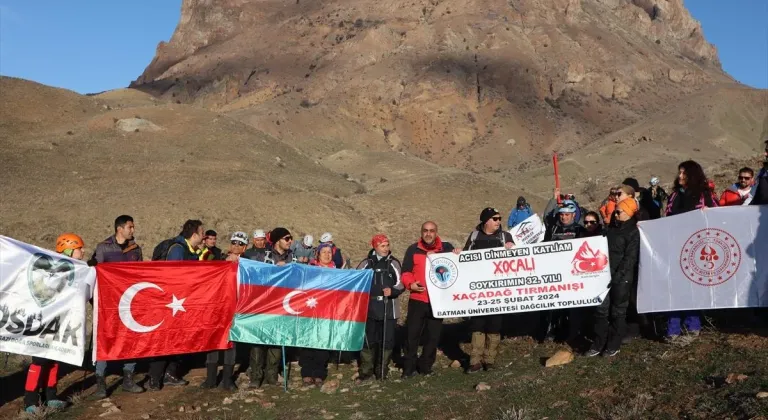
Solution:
(96, 45)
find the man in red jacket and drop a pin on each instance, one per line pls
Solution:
(421, 325)
(740, 193)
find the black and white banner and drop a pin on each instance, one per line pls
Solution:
(553, 275)
(704, 259)
(43, 297)
(529, 231)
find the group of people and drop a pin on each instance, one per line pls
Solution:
(564, 219)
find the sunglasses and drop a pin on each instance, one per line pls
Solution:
(745, 178)
(238, 243)
(590, 222)
(288, 238)
(496, 218)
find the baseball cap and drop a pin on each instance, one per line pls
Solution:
(568, 207)
(241, 237)
(258, 233)
(308, 240)
(326, 237)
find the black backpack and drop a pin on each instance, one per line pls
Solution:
(161, 250)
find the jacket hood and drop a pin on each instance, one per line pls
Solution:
(372, 254)
(619, 225)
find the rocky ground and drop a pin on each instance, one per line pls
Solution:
(722, 375)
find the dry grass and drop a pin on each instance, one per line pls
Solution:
(634, 409)
(42, 413)
(514, 414)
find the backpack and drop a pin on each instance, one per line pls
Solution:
(473, 237)
(160, 252)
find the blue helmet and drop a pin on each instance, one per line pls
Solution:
(568, 206)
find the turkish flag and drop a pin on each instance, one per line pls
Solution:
(160, 308)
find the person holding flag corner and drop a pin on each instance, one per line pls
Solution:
(383, 309)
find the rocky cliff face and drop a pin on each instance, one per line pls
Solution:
(482, 84)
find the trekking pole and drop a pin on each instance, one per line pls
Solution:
(285, 372)
(383, 339)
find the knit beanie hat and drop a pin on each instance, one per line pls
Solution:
(487, 214)
(278, 233)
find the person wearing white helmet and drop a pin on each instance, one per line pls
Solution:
(659, 196)
(259, 240)
(304, 250)
(338, 259)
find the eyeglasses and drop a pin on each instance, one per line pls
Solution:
(288, 238)
(745, 178)
(590, 222)
(496, 218)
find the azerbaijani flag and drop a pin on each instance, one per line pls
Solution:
(298, 305)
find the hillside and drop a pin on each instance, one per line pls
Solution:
(72, 168)
(489, 86)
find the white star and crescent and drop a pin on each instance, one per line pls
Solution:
(309, 303)
(176, 305)
(124, 307)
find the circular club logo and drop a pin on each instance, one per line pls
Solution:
(710, 257)
(443, 273)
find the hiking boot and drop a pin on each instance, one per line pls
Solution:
(477, 367)
(129, 385)
(154, 384)
(227, 383)
(210, 376)
(592, 353)
(171, 380)
(58, 404)
(407, 375)
(362, 378)
(610, 353)
(101, 388)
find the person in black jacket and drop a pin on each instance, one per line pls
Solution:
(760, 192)
(551, 324)
(623, 254)
(383, 309)
(486, 330)
(592, 225)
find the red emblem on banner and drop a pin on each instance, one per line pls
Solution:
(587, 260)
(710, 257)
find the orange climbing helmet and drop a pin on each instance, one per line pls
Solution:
(68, 241)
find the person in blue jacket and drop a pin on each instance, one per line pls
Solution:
(521, 212)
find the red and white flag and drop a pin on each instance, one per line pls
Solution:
(147, 309)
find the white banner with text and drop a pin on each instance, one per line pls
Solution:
(553, 275)
(43, 296)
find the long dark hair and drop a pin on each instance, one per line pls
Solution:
(696, 183)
